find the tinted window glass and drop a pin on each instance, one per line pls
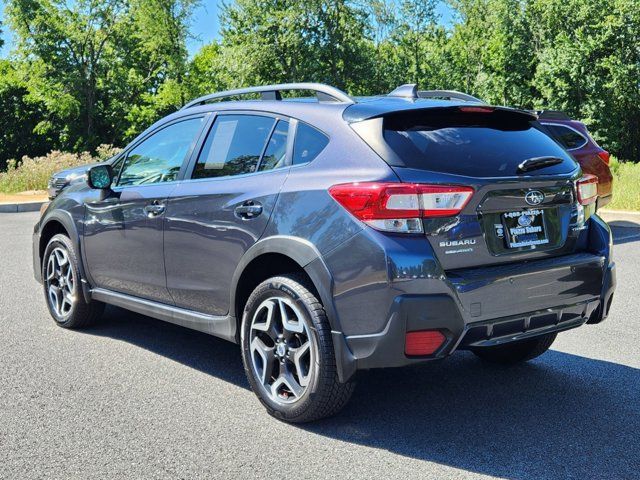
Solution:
(233, 146)
(309, 143)
(567, 136)
(159, 157)
(275, 155)
(473, 144)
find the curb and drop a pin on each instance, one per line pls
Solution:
(20, 207)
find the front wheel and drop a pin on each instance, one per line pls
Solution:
(61, 280)
(516, 352)
(288, 352)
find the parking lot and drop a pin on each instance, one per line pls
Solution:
(140, 398)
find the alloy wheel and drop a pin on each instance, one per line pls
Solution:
(60, 282)
(281, 350)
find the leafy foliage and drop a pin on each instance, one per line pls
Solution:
(99, 71)
(33, 173)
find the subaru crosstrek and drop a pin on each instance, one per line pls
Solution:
(334, 235)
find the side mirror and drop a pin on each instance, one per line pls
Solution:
(100, 177)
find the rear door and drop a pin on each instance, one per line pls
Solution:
(222, 209)
(515, 213)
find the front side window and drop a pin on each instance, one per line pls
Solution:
(234, 146)
(159, 158)
(569, 138)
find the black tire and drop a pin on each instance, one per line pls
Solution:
(324, 395)
(78, 313)
(516, 352)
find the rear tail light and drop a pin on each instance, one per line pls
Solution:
(425, 342)
(587, 188)
(605, 156)
(399, 207)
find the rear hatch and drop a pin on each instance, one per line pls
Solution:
(524, 204)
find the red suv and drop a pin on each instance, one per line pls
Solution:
(574, 136)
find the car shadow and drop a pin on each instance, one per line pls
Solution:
(624, 233)
(559, 416)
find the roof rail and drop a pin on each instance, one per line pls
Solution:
(449, 94)
(324, 93)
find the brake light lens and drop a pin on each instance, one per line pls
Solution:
(425, 342)
(587, 188)
(605, 156)
(399, 207)
(476, 109)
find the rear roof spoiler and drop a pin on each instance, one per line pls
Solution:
(552, 115)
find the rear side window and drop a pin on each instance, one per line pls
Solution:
(308, 144)
(473, 144)
(233, 146)
(568, 137)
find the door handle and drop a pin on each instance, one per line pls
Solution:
(248, 210)
(154, 209)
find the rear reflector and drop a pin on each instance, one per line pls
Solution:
(425, 342)
(398, 207)
(605, 156)
(587, 188)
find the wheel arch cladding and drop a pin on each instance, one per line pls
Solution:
(278, 255)
(60, 222)
(49, 230)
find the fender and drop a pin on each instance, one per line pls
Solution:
(305, 254)
(64, 217)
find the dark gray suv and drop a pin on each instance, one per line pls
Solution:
(332, 235)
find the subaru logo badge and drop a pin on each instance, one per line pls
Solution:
(534, 197)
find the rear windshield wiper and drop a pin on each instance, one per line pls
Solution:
(537, 162)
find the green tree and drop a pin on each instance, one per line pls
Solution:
(265, 41)
(490, 52)
(66, 53)
(588, 64)
(104, 69)
(160, 29)
(18, 118)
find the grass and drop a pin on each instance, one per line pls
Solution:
(626, 185)
(34, 173)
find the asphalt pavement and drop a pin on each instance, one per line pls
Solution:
(135, 397)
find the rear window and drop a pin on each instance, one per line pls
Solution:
(472, 144)
(568, 137)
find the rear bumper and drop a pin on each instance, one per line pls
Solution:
(386, 349)
(488, 306)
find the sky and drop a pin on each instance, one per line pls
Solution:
(205, 25)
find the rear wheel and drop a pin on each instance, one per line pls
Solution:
(288, 352)
(61, 280)
(516, 352)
